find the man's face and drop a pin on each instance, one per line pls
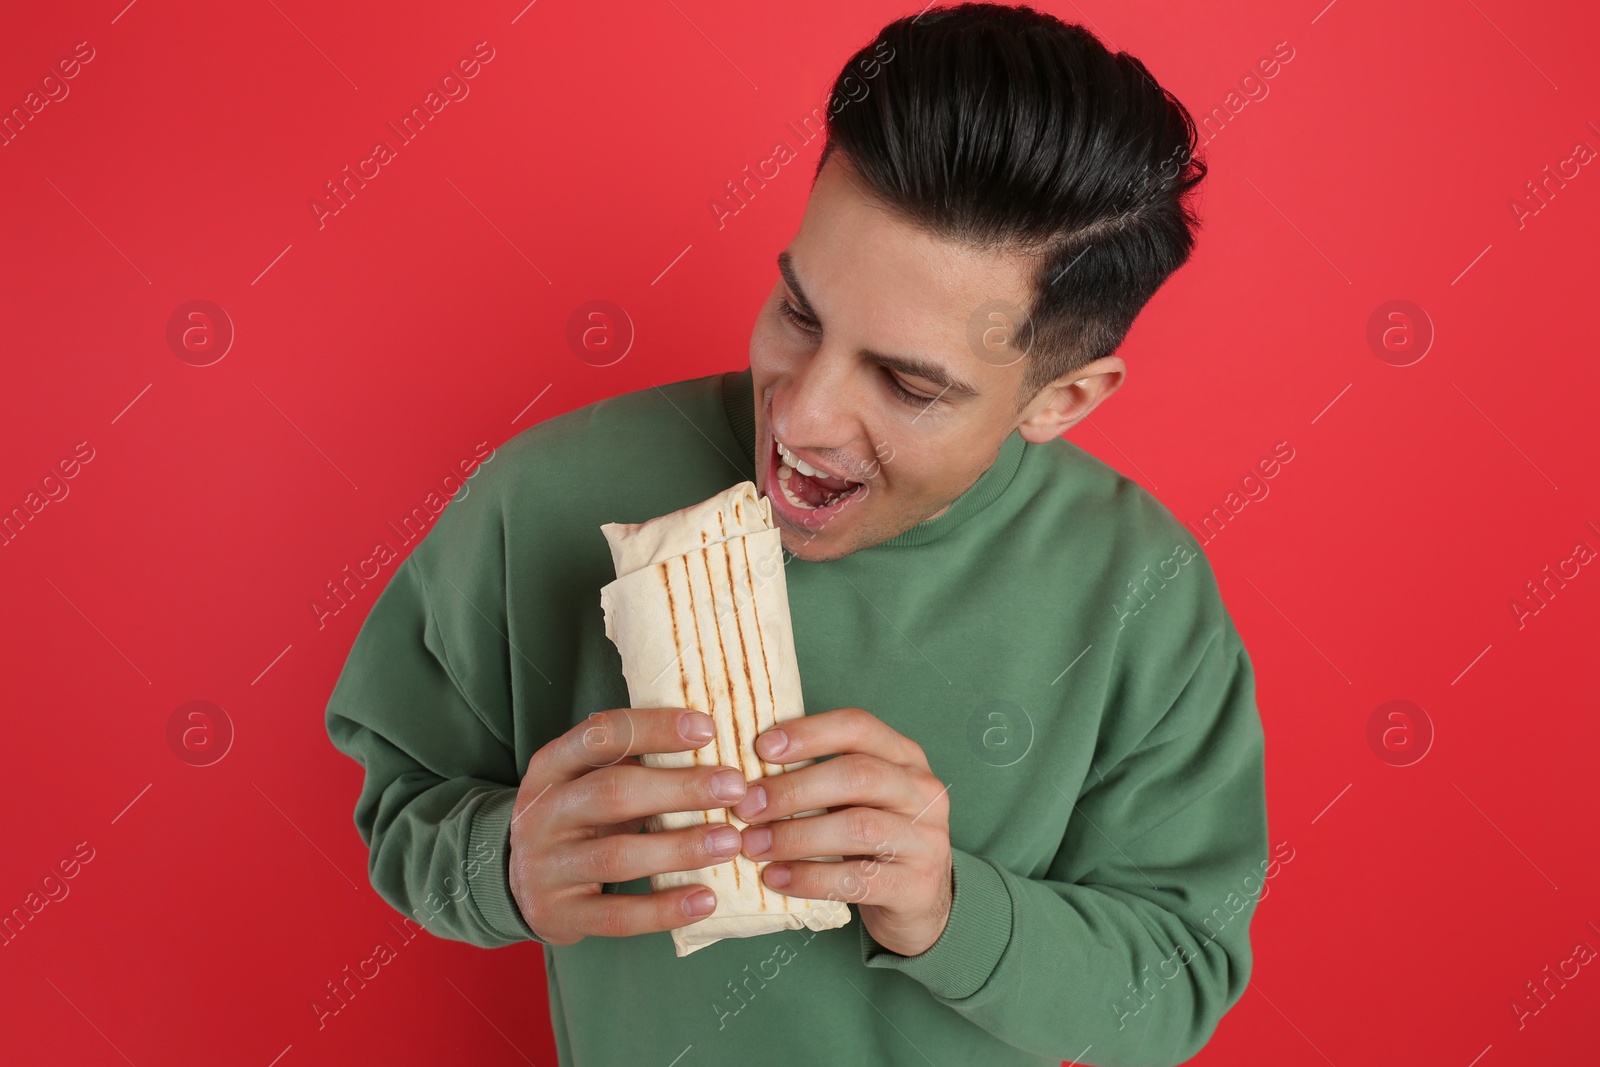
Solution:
(867, 289)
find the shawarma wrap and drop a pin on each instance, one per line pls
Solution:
(700, 615)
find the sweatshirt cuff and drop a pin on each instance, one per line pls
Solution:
(975, 937)
(490, 882)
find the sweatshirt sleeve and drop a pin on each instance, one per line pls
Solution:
(423, 705)
(1134, 944)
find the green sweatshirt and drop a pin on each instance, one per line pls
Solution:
(1056, 643)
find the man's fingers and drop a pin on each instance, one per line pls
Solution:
(843, 780)
(851, 832)
(628, 914)
(624, 792)
(606, 737)
(624, 857)
(627, 826)
(829, 733)
(853, 881)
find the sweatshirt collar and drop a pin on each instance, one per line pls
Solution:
(738, 401)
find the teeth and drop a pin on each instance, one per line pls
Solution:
(783, 485)
(784, 473)
(796, 462)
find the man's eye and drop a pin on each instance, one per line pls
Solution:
(905, 394)
(809, 325)
(800, 321)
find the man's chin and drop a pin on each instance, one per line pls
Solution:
(803, 546)
(798, 541)
(813, 545)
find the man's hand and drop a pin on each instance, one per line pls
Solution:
(888, 816)
(576, 820)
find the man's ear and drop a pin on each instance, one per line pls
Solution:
(1068, 400)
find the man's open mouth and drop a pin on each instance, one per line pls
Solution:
(811, 496)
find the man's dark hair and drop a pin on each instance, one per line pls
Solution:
(1004, 128)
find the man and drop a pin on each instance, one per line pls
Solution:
(1039, 749)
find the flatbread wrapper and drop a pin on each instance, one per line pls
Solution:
(700, 615)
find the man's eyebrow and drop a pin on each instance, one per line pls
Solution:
(917, 368)
(786, 268)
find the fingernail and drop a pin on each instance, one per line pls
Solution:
(754, 803)
(724, 839)
(701, 903)
(778, 875)
(757, 840)
(727, 785)
(695, 726)
(772, 743)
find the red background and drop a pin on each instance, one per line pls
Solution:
(373, 353)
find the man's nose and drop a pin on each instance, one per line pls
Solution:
(816, 410)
